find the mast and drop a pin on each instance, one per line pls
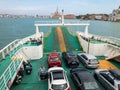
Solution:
(62, 17)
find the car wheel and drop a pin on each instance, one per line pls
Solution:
(95, 76)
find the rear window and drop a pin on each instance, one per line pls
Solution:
(59, 87)
(90, 85)
(54, 59)
(93, 60)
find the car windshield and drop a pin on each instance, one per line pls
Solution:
(54, 59)
(90, 85)
(59, 87)
(58, 75)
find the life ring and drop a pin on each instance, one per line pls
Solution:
(9, 84)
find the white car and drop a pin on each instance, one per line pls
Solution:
(57, 79)
(110, 79)
(88, 60)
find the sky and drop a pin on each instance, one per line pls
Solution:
(47, 7)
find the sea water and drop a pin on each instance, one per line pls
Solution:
(15, 28)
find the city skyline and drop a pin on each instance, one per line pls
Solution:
(46, 7)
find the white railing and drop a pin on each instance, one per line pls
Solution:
(10, 47)
(48, 22)
(27, 39)
(60, 22)
(13, 45)
(7, 78)
(107, 39)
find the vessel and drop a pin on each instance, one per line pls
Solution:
(36, 47)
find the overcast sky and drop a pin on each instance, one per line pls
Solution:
(46, 7)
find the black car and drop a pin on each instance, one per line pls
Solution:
(70, 58)
(83, 79)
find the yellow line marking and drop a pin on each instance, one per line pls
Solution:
(61, 40)
(106, 65)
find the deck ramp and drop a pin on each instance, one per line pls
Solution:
(71, 41)
(51, 41)
(106, 65)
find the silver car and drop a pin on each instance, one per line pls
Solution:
(57, 79)
(88, 60)
(110, 79)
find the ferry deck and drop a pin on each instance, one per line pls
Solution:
(58, 39)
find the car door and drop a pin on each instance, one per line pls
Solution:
(106, 81)
(80, 57)
(85, 59)
(49, 80)
(76, 80)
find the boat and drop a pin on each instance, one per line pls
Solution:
(36, 47)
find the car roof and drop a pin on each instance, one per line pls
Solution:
(90, 56)
(85, 76)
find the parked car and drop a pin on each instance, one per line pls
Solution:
(57, 79)
(110, 79)
(88, 60)
(83, 79)
(70, 58)
(54, 59)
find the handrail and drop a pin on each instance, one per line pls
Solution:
(7, 49)
(7, 78)
(107, 39)
(10, 47)
(59, 22)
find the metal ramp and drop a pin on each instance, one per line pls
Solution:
(113, 52)
(116, 58)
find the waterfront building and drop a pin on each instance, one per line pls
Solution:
(57, 14)
(115, 15)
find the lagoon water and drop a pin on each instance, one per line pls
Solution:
(15, 28)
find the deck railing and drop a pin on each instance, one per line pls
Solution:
(10, 47)
(13, 45)
(7, 78)
(107, 39)
(59, 22)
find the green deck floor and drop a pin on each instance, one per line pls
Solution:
(31, 82)
(71, 41)
(51, 42)
(5, 62)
